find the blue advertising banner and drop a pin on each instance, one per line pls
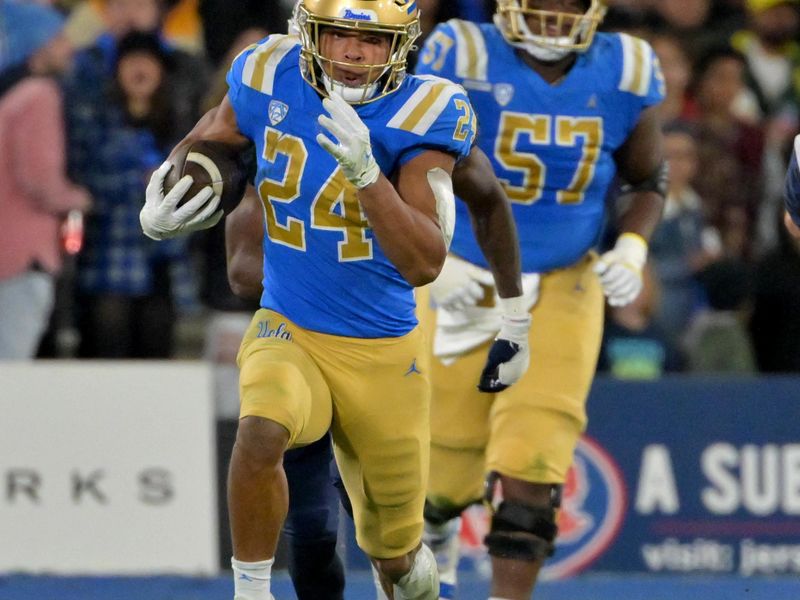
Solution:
(686, 475)
(681, 476)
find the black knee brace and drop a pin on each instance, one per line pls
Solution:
(522, 532)
(436, 515)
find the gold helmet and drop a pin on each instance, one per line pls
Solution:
(575, 31)
(397, 19)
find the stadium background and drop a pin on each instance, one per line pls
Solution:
(686, 486)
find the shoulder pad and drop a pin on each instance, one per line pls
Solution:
(638, 65)
(261, 61)
(471, 54)
(425, 105)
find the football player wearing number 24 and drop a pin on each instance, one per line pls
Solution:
(358, 209)
(562, 108)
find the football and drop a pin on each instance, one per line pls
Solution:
(217, 164)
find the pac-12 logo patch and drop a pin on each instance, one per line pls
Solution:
(592, 509)
(277, 111)
(503, 93)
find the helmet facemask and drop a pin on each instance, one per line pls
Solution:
(381, 78)
(524, 27)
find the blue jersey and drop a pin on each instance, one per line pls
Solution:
(792, 187)
(551, 145)
(323, 267)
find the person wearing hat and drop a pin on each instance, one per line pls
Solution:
(35, 194)
(772, 53)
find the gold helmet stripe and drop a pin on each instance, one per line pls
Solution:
(259, 70)
(637, 65)
(471, 55)
(424, 106)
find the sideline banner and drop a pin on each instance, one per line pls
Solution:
(685, 475)
(107, 468)
(709, 470)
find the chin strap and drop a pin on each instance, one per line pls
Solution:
(350, 94)
(535, 45)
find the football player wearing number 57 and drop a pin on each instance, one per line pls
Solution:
(355, 160)
(562, 109)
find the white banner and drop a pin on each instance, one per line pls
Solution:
(107, 467)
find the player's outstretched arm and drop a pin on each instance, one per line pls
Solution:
(404, 217)
(641, 165)
(164, 214)
(244, 230)
(475, 183)
(493, 223)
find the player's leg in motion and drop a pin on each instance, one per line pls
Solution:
(459, 433)
(257, 501)
(381, 439)
(535, 426)
(284, 402)
(312, 523)
(523, 437)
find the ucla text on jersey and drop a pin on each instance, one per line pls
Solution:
(551, 145)
(324, 269)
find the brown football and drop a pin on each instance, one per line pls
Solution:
(217, 164)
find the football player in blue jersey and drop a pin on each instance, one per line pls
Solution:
(562, 110)
(354, 174)
(311, 523)
(791, 191)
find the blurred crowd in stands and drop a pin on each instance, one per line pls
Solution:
(94, 94)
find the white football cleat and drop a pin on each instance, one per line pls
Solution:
(444, 541)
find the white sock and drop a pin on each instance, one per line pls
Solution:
(376, 579)
(251, 579)
(422, 581)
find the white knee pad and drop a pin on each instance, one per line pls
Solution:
(422, 581)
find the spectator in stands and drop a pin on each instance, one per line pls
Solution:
(127, 283)
(35, 194)
(730, 151)
(677, 68)
(772, 54)
(224, 21)
(683, 242)
(717, 340)
(635, 347)
(695, 21)
(775, 324)
(94, 66)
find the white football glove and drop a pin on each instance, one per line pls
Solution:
(354, 151)
(620, 269)
(160, 219)
(458, 286)
(510, 355)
